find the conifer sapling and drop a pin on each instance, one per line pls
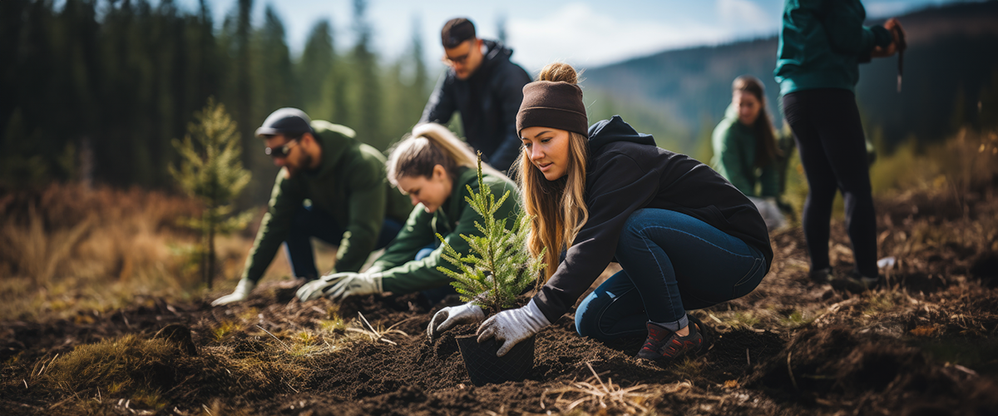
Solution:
(211, 171)
(500, 266)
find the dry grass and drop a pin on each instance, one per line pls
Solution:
(67, 249)
(957, 165)
(376, 333)
(128, 367)
(594, 393)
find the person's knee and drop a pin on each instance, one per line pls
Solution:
(587, 315)
(636, 222)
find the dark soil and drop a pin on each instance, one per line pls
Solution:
(924, 345)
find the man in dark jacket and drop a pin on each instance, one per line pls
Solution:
(332, 187)
(485, 87)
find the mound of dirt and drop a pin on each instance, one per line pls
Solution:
(836, 365)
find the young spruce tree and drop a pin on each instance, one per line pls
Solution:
(500, 267)
(212, 172)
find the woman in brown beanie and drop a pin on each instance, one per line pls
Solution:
(685, 237)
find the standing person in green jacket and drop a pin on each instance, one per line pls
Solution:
(435, 169)
(332, 187)
(821, 46)
(745, 150)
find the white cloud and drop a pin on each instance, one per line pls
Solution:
(744, 15)
(579, 35)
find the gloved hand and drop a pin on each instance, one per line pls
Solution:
(240, 294)
(453, 315)
(316, 288)
(341, 285)
(356, 284)
(513, 326)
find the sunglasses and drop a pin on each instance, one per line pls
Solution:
(280, 151)
(460, 60)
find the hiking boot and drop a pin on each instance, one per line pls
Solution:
(820, 276)
(855, 283)
(665, 345)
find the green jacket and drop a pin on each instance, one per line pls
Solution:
(822, 44)
(349, 185)
(402, 274)
(734, 157)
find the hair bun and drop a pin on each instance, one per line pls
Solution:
(559, 72)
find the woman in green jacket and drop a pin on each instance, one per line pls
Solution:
(745, 150)
(822, 43)
(436, 170)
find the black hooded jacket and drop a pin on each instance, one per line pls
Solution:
(488, 101)
(627, 172)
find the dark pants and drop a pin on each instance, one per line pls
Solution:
(672, 263)
(308, 223)
(438, 293)
(832, 148)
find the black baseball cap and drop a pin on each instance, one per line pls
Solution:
(286, 120)
(455, 31)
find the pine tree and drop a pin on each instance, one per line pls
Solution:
(211, 171)
(500, 267)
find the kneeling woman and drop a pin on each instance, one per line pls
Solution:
(684, 236)
(745, 149)
(435, 169)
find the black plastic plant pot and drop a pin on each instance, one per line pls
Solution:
(485, 368)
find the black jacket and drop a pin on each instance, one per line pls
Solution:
(627, 172)
(488, 101)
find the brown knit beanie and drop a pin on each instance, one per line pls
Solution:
(553, 104)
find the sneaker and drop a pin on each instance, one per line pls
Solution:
(855, 283)
(665, 345)
(820, 276)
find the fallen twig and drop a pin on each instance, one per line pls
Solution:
(286, 347)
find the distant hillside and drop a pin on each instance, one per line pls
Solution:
(952, 58)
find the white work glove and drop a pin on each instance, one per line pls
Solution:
(454, 315)
(513, 326)
(316, 288)
(340, 285)
(356, 285)
(240, 294)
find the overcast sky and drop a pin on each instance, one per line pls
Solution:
(584, 33)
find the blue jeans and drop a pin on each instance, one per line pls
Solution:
(671, 263)
(310, 222)
(438, 293)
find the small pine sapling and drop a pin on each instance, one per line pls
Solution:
(211, 171)
(500, 266)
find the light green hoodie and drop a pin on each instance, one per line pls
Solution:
(734, 157)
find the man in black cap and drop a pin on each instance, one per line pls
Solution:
(332, 187)
(485, 87)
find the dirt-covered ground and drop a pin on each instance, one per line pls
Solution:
(925, 344)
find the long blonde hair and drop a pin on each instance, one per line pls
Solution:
(558, 207)
(428, 145)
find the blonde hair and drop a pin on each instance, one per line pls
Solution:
(428, 145)
(558, 207)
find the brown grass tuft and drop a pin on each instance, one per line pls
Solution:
(128, 367)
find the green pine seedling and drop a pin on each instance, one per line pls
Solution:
(500, 267)
(212, 172)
